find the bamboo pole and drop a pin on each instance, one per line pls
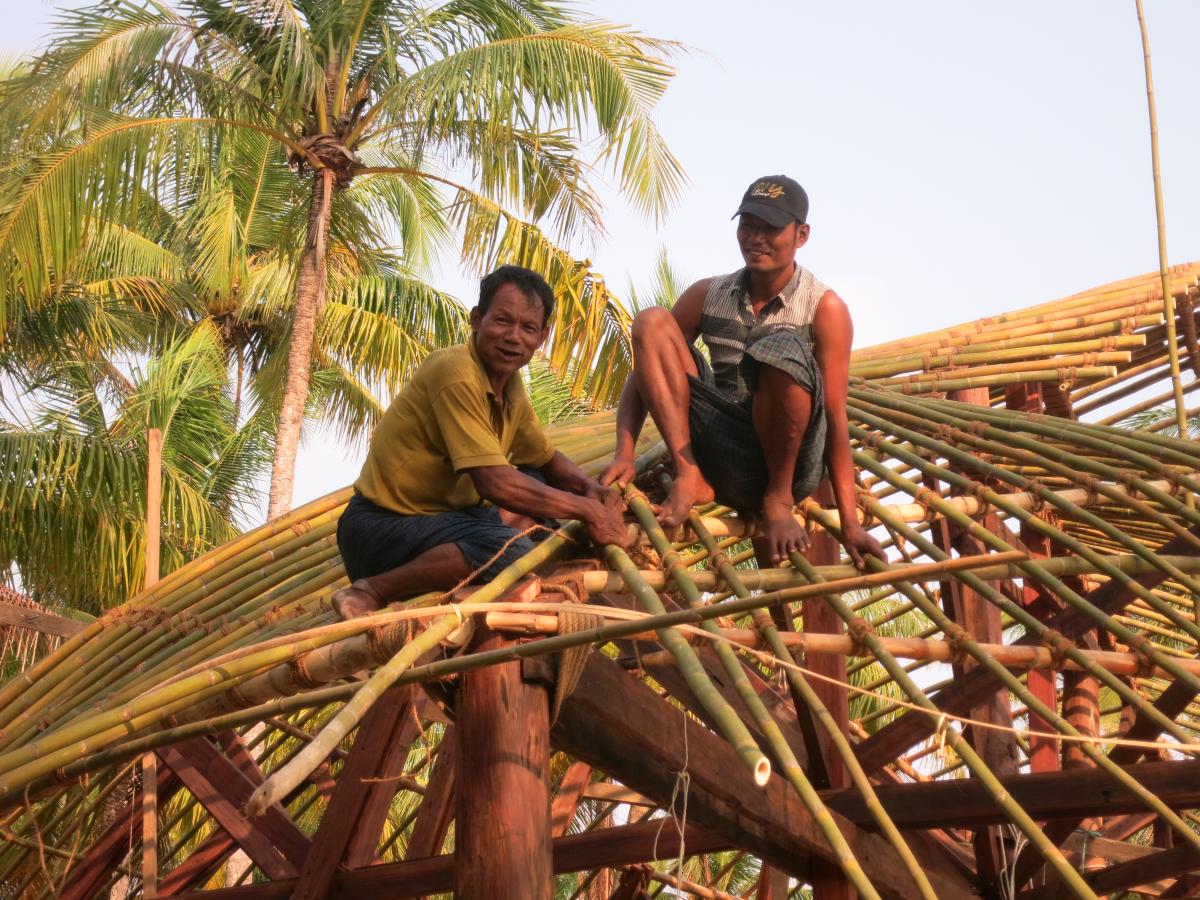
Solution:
(1161, 222)
(790, 766)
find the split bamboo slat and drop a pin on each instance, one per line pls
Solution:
(1076, 524)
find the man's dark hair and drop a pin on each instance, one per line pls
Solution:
(527, 281)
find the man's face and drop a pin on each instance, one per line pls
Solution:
(767, 248)
(507, 335)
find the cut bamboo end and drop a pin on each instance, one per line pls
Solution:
(762, 771)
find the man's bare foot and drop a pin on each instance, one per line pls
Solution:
(781, 533)
(359, 599)
(688, 489)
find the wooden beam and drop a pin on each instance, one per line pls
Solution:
(379, 752)
(1171, 702)
(271, 840)
(502, 727)
(39, 621)
(574, 782)
(958, 698)
(96, 865)
(437, 807)
(620, 726)
(1065, 795)
(204, 860)
(603, 848)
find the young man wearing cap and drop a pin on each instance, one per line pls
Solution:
(757, 427)
(460, 433)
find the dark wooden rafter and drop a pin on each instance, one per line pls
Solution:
(620, 726)
(272, 841)
(436, 811)
(959, 697)
(96, 865)
(605, 847)
(359, 804)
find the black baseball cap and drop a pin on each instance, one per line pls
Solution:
(776, 199)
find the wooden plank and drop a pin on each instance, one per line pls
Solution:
(379, 751)
(1171, 702)
(35, 620)
(570, 792)
(1065, 795)
(437, 807)
(620, 726)
(271, 840)
(502, 726)
(204, 860)
(958, 698)
(602, 848)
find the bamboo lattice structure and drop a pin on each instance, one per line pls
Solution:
(1007, 707)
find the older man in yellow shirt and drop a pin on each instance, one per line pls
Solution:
(459, 457)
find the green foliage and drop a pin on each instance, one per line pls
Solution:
(73, 472)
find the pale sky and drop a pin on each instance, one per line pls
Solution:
(962, 159)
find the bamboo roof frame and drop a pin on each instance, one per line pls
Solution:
(1044, 559)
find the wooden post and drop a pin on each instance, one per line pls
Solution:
(154, 443)
(502, 835)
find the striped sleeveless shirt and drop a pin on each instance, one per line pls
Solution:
(728, 324)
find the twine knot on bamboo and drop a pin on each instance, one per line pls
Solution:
(1129, 480)
(956, 638)
(1144, 649)
(925, 498)
(303, 676)
(1091, 484)
(864, 501)
(859, 631)
(1059, 646)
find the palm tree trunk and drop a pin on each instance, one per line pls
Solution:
(310, 300)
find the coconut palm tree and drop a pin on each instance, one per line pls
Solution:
(73, 473)
(400, 125)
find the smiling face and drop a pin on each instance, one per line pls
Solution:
(768, 248)
(508, 334)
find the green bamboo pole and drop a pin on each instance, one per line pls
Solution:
(770, 728)
(979, 769)
(796, 680)
(731, 727)
(285, 779)
(1015, 686)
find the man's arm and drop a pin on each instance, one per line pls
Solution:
(631, 410)
(513, 490)
(833, 333)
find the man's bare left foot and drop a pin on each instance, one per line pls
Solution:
(781, 533)
(688, 489)
(356, 600)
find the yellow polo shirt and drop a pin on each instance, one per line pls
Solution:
(446, 420)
